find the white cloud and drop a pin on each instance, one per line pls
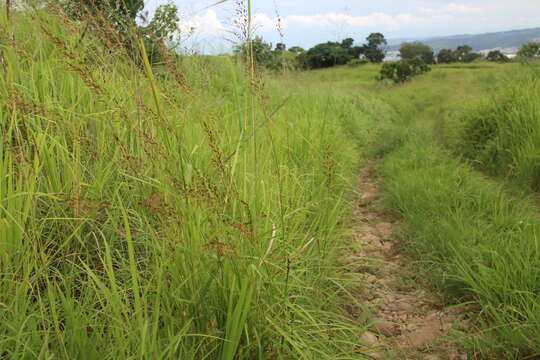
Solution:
(414, 18)
(209, 24)
(353, 21)
(266, 23)
(204, 25)
(449, 11)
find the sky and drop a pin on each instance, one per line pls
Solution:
(309, 22)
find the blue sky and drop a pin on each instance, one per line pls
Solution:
(308, 22)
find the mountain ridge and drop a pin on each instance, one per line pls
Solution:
(509, 40)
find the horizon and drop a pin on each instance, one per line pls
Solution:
(306, 24)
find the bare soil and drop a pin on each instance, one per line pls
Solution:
(409, 322)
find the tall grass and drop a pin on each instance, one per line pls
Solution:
(476, 241)
(502, 136)
(479, 244)
(135, 219)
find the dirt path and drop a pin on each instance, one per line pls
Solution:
(408, 323)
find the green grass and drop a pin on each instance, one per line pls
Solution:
(475, 241)
(475, 237)
(502, 135)
(192, 211)
(167, 213)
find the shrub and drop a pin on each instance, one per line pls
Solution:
(260, 50)
(358, 62)
(283, 60)
(157, 212)
(404, 70)
(472, 57)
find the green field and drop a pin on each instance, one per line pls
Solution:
(194, 211)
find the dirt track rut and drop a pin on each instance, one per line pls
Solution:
(408, 321)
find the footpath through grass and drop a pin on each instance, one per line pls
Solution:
(189, 212)
(474, 237)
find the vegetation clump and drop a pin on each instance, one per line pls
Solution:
(417, 50)
(157, 206)
(503, 135)
(327, 55)
(180, 211)
(497, 56)
(357, 62)
(320, 56)
(404, 70)
(476, 236)
(119, 19)
(530, 52)
(462, 54)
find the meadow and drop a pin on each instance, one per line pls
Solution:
(197, 210)
(176, 212)
(459, 160)
(458, 155)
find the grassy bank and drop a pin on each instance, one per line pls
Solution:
(181, 212)
(502, 135)
(455, 144)
(476, 242)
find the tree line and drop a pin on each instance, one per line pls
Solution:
(463, 54)
(331, 54)
(323, 55)
(163, 27)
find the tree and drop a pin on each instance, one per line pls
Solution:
(347, 43)
(497, 56)
(164, 24)
(262, 51)
(128, 8)
(374, 49)
(120, 13)
(417, 50)
(530, 51)
(471, 57)
(280, 47)
(326, 55)
(464, 54)
(446, 56)
(119, 10)
(296, 50)
(461, 52)
(354, 51)
(162, 28)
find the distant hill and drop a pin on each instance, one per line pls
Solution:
(507, 40)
